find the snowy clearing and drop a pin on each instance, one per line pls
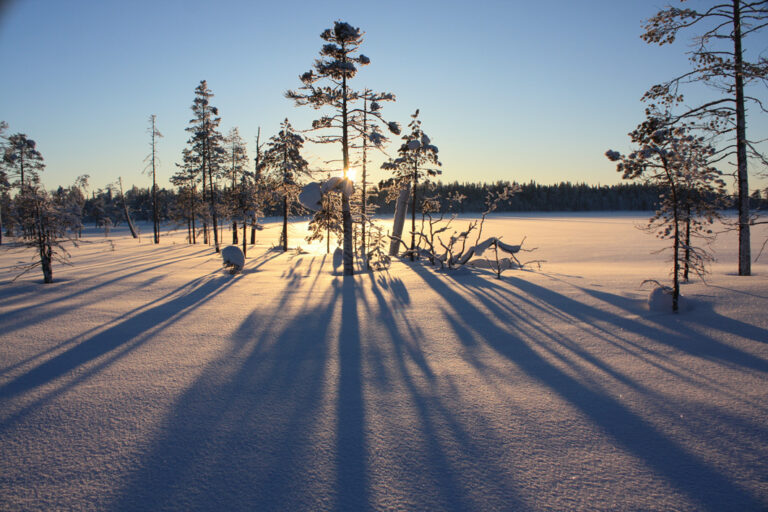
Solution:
(148, 378)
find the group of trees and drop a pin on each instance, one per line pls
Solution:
(41, 218)
(674, 167)
(679, 145)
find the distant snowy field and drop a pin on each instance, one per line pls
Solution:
(146, 378)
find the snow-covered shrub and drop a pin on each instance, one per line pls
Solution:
(660, 300)
(233, 259)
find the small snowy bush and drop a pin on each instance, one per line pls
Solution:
(660, 300)
(233, 259)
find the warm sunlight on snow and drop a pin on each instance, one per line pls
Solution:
(146, 377)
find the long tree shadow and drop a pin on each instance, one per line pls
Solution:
(685, 338)
(705, 316)
(351, 452)
(251, 266)
(703, 483)
(100, 350)
(257, 428)
(16, 319)
(280, 421)
(433, 465)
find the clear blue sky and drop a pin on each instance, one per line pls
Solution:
(508, 90)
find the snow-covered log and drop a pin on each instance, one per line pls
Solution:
(479, 249)
(311, 196)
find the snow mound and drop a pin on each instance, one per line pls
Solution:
(233, 259)
(660, 300)
(311, 196)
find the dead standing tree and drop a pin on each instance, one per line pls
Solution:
(152, 166)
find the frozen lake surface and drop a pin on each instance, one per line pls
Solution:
(147, 378)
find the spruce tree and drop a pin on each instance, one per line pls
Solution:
(186, 178)
(327, 220)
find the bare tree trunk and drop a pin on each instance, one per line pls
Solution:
(413, 213)
(214, 218)
(43, 245)
(193, 210)
(687, 262)
(285, 223)
(45, 263)
(745, 257)
(155, 217)
(234, 232)
(676, 271)
(245, 225)
(346, 213)
(364, 192)
(257, 183)
(205, 198)
(125, 211)
(401, 209)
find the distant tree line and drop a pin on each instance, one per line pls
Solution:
(536, 197)
(103, 205)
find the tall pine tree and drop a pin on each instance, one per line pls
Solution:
(327, 86)
(206, 142)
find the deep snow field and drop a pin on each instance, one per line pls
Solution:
(146, 378)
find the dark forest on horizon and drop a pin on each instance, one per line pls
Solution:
(530, 197)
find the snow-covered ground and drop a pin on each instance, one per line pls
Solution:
(146, 378)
